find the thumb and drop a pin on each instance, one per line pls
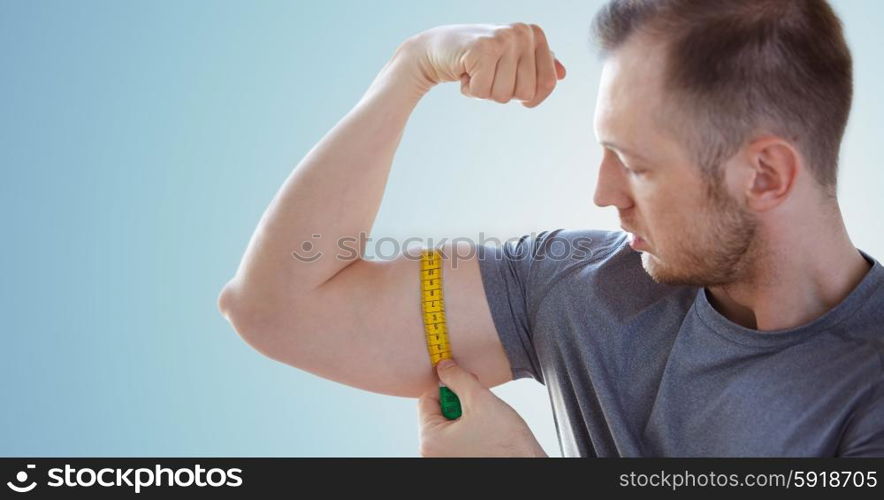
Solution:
(465, 85)
(560, 70)
(429, 412)
(456, 378)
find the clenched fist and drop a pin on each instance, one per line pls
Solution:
(498, 62)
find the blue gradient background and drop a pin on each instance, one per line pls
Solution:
(140, 142)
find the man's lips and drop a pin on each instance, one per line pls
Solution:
(635, 241)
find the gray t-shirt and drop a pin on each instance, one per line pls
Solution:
(637, 368)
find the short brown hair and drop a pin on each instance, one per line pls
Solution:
(739, 66)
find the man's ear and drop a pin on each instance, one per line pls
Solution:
(773, 165)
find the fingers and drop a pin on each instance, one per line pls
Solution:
(547, 74)
(480, 65)
(505, 75)
(560, 69)
(526, 76)
(512, 78)
(428, 410)
(514, 63)
(464, 383)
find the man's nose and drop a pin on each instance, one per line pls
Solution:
(612, 187)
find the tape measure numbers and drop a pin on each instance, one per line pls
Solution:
(435, 327)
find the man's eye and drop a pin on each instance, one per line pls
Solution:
(633, 171)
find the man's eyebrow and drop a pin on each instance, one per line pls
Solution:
(617, 148)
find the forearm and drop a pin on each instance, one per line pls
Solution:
(334, 192)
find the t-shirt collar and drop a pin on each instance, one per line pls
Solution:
(748, 336)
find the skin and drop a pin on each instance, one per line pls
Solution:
(356, 321)
(755, 241)
(488, 427)
(501, 64)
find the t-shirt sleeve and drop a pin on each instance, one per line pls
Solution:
(506, 271)
(518, 274)
(864, 435)
(521, 273)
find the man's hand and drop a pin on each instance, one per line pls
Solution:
(488, 427)
(497, 62)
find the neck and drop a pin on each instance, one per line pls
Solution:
(796, 278)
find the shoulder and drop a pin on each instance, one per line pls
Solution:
(566, 245)
(864, 311)
(586, 265)
(540, 257)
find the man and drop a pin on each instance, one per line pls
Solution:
(736, 319)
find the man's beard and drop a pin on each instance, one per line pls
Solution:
(722, 251)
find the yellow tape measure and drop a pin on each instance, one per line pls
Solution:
(435, 327)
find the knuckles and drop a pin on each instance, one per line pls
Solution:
(489, 45)
(519, 34)
(522, 29)
(537, 31)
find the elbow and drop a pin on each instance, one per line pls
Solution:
(240, 316)
(225, 303)
(257, 325)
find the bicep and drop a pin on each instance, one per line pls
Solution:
(364, 327)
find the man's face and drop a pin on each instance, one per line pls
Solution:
(690, 234)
